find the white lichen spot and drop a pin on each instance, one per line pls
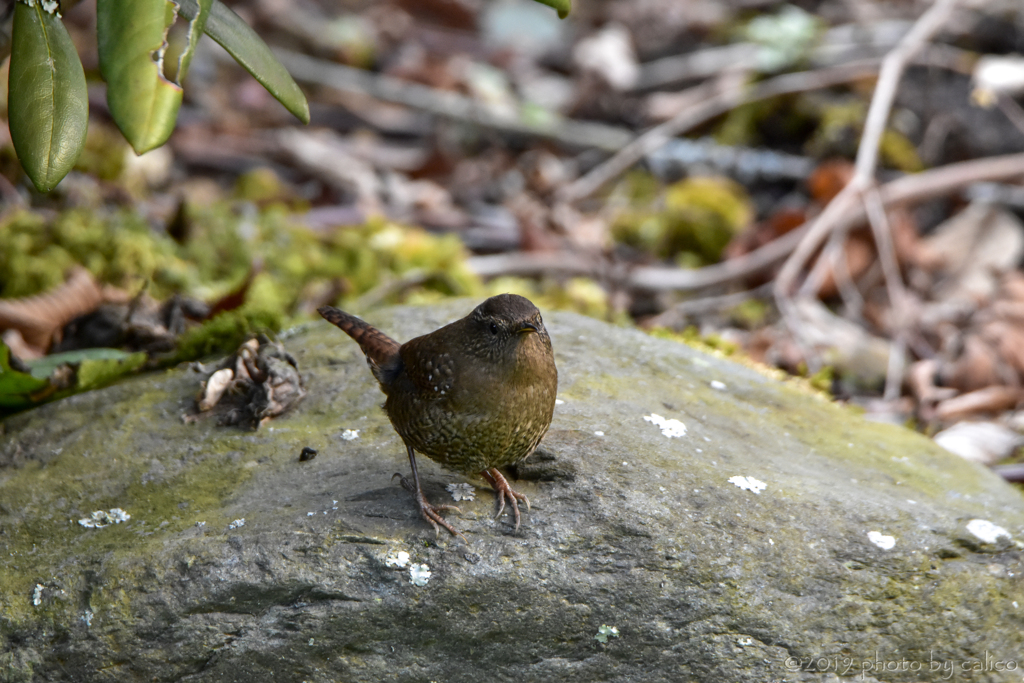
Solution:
(715, 384)
(604, 632)
(419, 574)
(670, 428)
(37, 595)
(398, 559)
(240, 522)
(986, 530)
(749, 484)
(102, 518)
(461, 492)
(881, 540)
(350, 435)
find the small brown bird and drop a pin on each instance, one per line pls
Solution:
(474, 395)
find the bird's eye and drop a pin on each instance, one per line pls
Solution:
(494, 328)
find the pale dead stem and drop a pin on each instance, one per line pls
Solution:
(906, 190)
(862, 189)
(712, 99)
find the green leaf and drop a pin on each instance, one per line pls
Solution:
(17, 389)
(92, 369)
(132, 39)
(44, 367)
(562, 6)
(242, 43)
(93, 374)
(48, 105)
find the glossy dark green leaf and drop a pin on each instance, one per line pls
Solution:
(48, 105)
(131, 36)
(561, 6)
(242, 43)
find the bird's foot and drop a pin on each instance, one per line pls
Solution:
(501, 486)
(428, 510)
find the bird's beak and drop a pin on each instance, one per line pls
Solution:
(528, 327)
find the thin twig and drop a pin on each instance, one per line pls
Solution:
(536, 264)
(867, 154)
(909, 189)
(893, 66)
(448, 104)
(882, 232)
(718, 97)
(833, 261)
(1013, 111)
(839, 44)
(674, 317)
(713, 98)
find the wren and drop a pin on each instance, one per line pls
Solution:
(474, 395)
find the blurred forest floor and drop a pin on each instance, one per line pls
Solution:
(834, 188)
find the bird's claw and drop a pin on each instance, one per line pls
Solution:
(429, 511)
(502, 488)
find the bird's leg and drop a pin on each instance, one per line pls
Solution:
(500, 484)
(428, 510)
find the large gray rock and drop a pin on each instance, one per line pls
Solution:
(704, 580)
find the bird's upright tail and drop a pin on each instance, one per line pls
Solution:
(381, 350)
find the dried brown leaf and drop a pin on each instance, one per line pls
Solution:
(975, 368)
(990, 400)
(1008, 340)
(38, 317)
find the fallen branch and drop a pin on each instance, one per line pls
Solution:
(716, 98)
(448, 104)
(676, 315)
(839, 44)
(906, 190)
(867, 154)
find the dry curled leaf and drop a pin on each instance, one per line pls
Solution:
(975, 368)
(214, 388)
(39, 317)
(972, 250)
(259, 382)
(921, 380)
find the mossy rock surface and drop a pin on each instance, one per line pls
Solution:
(631, 529)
